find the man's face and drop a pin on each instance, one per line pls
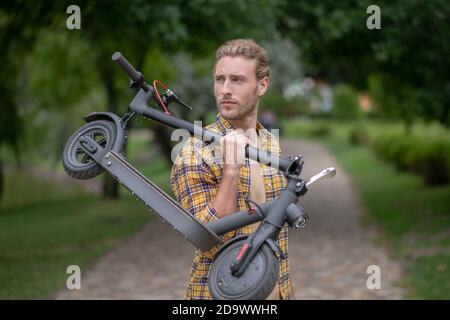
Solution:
(236, 88)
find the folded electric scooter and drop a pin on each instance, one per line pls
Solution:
(245, 267)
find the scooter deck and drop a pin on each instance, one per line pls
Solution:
(154, 198)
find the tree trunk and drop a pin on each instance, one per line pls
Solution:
(162, 138)
(407, 119)
(160, 132)
(110, 189)
(2, 180)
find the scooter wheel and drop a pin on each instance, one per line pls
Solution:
(76, 162)
(256, 283)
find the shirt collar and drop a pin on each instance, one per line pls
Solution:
(224, 126)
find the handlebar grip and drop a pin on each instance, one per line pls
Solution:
(126, 66)
(266, 157)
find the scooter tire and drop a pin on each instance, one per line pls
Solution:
(76, 162)
(256, 283)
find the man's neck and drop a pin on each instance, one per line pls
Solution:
(244, 124)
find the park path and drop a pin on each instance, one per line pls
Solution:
(328, 259)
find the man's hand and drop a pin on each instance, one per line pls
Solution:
(233, 152)
(232, 148)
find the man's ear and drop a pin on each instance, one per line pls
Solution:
(263, 84)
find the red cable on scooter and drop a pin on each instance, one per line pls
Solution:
(158, 96)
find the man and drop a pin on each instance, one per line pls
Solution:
(211, 182)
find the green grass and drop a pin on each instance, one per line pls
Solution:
(157, 169)
(46, 226)
(411, 215)
(23, 189)
(429, 277)
(40, 238)
(38, 242)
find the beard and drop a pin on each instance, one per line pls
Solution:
(238, 111)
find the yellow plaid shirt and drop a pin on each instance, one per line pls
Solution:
(195, 179)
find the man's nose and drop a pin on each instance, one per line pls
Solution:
(226, 88)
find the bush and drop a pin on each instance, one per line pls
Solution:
(426, 157)
(320, 131)
(429, 159)
(345, 102)
(359, 136)
(277, 104)
(285, 108)
(393, 148)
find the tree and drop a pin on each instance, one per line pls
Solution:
(19, 23)
(345, 102)
(408, 54)
(131, 27)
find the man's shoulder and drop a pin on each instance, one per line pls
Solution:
(270, 140)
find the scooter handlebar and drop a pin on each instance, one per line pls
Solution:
(126, 66)
(135, 75)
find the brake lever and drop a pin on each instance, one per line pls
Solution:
(170, 96)
(181, 102)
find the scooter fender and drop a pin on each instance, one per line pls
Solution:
(272, 244)
(122, 136)
(229, 243)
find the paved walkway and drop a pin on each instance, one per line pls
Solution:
(328, 259)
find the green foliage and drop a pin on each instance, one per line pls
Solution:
(320, 131)
(285, 63)
(275, 103)
(284, 108)
(55, 76)
(24, 189)
(38, 242)
(408, 54)
(300, 106)
(46, 226)
(429, 158)
(430, 276)
(18, 24)
(210, 23)
(411, 215)
(307, 129)
(359, 136)
(383, 102)
(404, 103)
(193, 85)
(345, 102)
(56, 106)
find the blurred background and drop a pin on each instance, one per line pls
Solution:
(377, 99)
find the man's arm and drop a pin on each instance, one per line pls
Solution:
(226, 200)
(195, 186)
(232, 148)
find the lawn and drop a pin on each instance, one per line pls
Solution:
(414, 218)
(45, 226)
